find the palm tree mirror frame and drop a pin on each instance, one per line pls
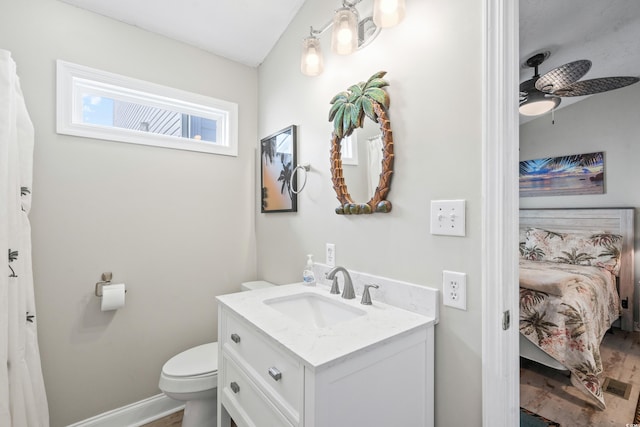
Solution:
(348, 111)
(278, 157)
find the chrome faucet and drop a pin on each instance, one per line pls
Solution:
(347, 292)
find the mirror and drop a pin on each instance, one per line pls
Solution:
(362, 150)
(362, 160)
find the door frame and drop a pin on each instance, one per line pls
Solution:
(500, 348)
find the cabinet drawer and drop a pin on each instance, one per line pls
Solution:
(276, 372)
(239, 392)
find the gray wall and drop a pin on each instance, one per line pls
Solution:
(608, 122)
(176, 226)
(434, 64)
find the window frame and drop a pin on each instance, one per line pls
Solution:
(71, 78)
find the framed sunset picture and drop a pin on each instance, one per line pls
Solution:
(277, 160)
(576, 174)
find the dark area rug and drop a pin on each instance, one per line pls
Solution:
(531, 419)
(636, 419)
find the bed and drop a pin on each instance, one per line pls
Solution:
(576, 281)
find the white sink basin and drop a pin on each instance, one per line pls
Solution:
(314, 310)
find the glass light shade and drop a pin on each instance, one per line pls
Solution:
(538, 103)
(344, 37)
(387, 13)
(311, 62)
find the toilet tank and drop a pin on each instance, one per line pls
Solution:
(256, 284)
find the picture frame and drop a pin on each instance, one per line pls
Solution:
(577, 174)
(278, 159)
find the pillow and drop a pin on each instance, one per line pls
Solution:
(522, 241)
(600, 249)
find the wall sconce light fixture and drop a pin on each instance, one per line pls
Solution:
(387, 13)
(349, 31)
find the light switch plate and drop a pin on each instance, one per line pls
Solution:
(448, 217)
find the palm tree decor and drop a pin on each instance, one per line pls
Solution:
(532, 253)
(608, 242)
(348, 111)
(285, 176)
(536, 323)
(13, 255)
(278, 161)
(574, 257)
(565, 175)
(24, 191)
(269, 153)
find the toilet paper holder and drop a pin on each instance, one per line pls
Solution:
(106, 280)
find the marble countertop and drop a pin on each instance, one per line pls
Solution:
(319, 347)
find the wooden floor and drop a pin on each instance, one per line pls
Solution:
(549, 393)
(173, 420)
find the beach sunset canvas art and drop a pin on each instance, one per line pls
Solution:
(575, 174)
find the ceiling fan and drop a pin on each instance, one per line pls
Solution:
(541, 94)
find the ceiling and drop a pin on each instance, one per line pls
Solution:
(603, 31)
(241, 30)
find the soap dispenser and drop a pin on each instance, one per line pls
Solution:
(308, 277)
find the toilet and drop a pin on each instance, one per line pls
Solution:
(192, 377)
(258, 284)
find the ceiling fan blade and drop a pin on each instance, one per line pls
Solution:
(563, 76)
(523, 97)
(589, 87)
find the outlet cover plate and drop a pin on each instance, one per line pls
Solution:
(454, 289)
(448, 217)
(330, 255)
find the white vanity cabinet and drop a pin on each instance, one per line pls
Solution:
(391, 385)
(261, 385)
(264, 382)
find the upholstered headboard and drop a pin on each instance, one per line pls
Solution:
(617, 221)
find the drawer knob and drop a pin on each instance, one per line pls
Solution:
(275, 373)
(234, 387)
(235, 338)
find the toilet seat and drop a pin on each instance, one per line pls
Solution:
(199, 360)
(193, 370)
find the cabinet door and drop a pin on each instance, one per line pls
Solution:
(278, 375)
(382, 388)
(247, 405)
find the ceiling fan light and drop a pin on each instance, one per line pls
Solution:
(538, 103)
(311, 62)
(387, 13)
(536, 108)
(344, 36)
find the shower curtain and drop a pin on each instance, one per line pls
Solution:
(23, 402)
(374, 150)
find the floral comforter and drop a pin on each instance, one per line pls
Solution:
(566, 313)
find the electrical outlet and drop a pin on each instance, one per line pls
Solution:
(330, 255)
(454, 289)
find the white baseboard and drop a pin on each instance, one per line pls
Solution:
(135, 414)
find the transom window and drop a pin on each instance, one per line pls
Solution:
(98, 104)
